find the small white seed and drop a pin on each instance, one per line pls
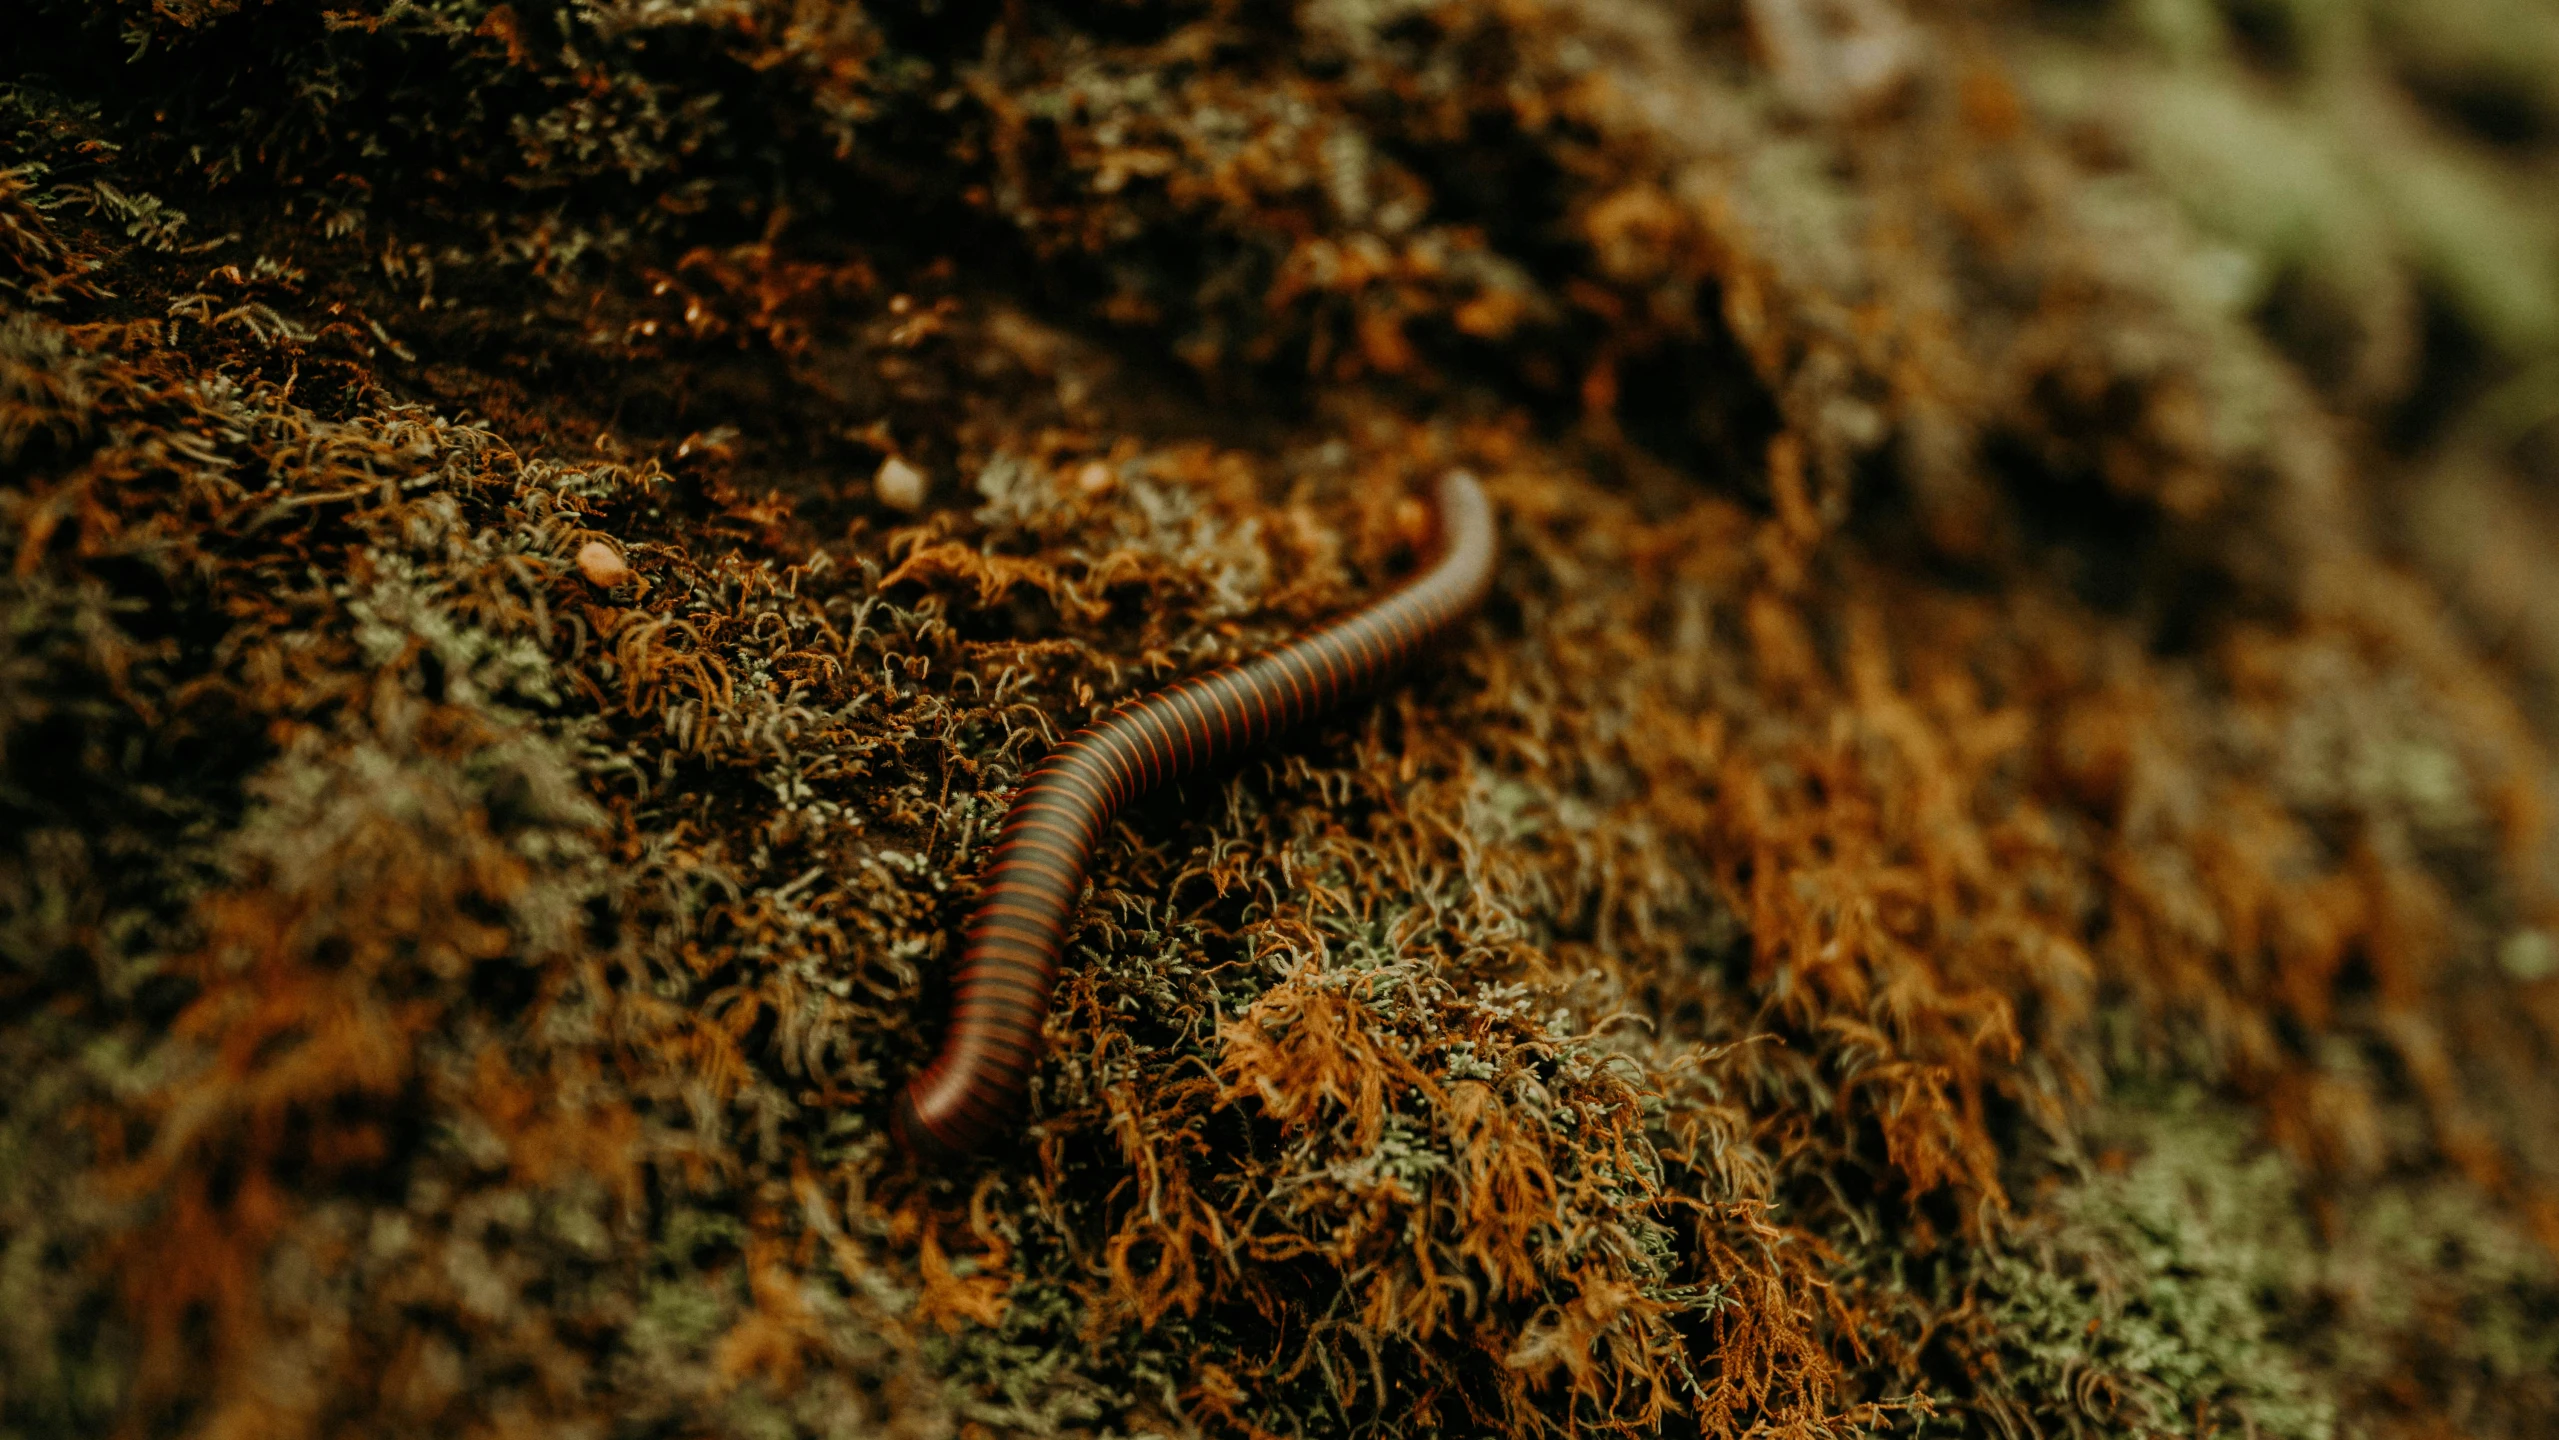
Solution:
(899, 485)
(602, 565)
(1413, 522)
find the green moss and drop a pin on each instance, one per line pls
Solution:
(2159, 1289)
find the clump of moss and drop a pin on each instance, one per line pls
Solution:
(2153, 1290)
(2186, 1279)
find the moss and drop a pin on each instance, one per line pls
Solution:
(1938, 685)
(2181, 1281)
(2160, 1288)
(2379, 172)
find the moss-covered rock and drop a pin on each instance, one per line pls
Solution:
(542, 536)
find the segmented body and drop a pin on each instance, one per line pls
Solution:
(973, 1088)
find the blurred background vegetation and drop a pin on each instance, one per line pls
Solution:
(2380, 177)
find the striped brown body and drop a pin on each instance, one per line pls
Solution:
(973, 1088)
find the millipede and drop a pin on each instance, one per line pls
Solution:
(972, 1088)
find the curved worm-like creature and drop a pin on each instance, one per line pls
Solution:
(973, 1088)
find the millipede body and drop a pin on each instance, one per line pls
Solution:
(973, 1088)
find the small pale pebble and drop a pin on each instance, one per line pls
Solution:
(602, 565)
(1094, 478)
(1413, 522)
(899, 485)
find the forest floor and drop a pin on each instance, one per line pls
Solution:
(1988, 868)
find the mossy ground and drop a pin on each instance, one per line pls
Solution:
(1985, 871)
